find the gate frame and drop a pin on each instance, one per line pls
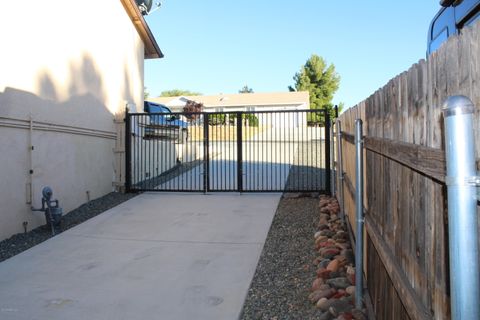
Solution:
(206, 143)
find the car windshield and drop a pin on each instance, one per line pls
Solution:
(159, 109)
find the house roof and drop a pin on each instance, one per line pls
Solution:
(152, 49)
(242, 99)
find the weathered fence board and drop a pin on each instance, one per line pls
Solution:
(405, 193)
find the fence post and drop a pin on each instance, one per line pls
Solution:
(332, 159)
(327, 152)
(359, 213)
(461, 181)
(206, 153)
(340, 169)
(239, 153)
(128, 150)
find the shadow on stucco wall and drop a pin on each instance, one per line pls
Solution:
(74, 135)
(80, 102)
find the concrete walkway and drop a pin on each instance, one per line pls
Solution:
(156, 256)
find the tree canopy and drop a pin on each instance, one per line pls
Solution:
(178, 93)
(320, 80)
(245, 89)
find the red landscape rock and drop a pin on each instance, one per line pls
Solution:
(333, 265)
(333, 289)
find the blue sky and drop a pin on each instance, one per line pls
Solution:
(215, 46)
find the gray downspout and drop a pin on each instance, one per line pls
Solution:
(461, 181)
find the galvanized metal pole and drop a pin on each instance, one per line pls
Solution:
(340, 170)
(462, 208)
(332, 160)
(359, 213)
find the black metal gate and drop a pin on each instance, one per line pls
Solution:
(267, 151)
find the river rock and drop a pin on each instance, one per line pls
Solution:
(350, 290)
(318, 294)
(327, 233)
(359, 315)
(317, 283)
(339, 306)
(339, 283)
(329, 253)
(326, 316)
(323, 273)
(324, 263)
(324, 216)
(334, 265)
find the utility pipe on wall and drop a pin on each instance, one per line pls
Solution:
(359, 213)
(461, 181)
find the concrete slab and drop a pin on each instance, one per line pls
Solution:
(156, 256)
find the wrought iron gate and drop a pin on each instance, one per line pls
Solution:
(267, 151)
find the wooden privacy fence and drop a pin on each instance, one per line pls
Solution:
(406, 223)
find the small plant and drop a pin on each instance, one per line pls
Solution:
(247, 118)
(216, 119)
(192, 109)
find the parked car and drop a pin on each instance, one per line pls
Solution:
(450, 20)
(163, 124)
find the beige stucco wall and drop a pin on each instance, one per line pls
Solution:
(70, 67)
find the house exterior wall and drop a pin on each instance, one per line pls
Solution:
(68, 69)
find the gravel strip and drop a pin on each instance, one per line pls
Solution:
(284, 274)
(23, 241)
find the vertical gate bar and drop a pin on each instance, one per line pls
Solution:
(150, 162)
(135, 161)
(239, 153)
(128, 155)
(314, 142)
(297, 154)
(286, 147)
(277, 152)
(327, 152)
(142, 141)
(268, 148)
(206, 156)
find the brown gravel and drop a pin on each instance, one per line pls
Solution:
(285, 272)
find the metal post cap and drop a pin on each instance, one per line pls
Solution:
(457, 105)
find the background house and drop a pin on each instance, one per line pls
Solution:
(69, 70)
(249, 102)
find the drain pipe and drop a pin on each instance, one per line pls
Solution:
(461, 181)
(359, 213)
(340, 169)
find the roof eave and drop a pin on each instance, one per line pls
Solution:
(152, 50)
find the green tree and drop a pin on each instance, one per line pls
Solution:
(245, 89)
(178, 93)
(321, 81)
(146, 94)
